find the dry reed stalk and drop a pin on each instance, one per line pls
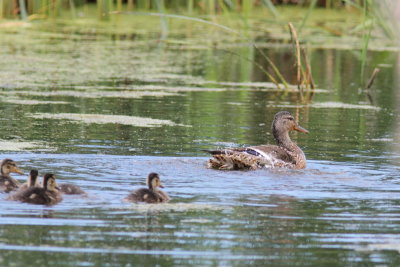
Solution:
(369, 84)
(372, 78)
(309, 77)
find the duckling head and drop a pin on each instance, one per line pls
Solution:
(49, 182)
(153, 181)
(33, 174)
(8, 166)
(284, 122)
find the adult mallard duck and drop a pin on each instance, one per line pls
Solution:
(49, 194)
(31, 182)
(151, 194)
(7, 183)
(285, 154)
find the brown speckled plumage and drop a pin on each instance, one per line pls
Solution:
(31, 182)
(285, 154)
(49, 194)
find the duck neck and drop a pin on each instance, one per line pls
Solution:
(151, 188)
(283, 140)
(31, 181)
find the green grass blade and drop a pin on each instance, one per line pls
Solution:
(274, 67)
(271, 7)
(310, 9)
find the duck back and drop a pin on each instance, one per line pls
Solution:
(39, 195)
(8, 184)
(145, 195)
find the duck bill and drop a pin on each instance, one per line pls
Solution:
(161, 186)
(300, 129)
(16, 170)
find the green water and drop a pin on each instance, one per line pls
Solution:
(62, 89)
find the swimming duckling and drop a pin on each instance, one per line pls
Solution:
(150, 195)
(31, 182)
(71, 189)
(49, 194)
(7, 183)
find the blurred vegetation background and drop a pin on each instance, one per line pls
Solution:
(25, 8)
(359, 25)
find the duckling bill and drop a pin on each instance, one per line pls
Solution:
(151, 194)
(284, 154)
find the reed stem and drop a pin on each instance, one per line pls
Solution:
(22, 8)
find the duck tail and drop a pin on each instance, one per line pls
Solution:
(214, 152)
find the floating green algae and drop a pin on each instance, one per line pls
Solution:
(104, 119)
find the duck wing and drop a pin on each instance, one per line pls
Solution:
(143, 195)
(34, 195)
(251, 158)
(163, 196)
(266, 151)
(273, 151)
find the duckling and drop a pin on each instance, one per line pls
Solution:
(285, 154)
(71, 189)
(31, 182)
(151, 194)
(7, 183)
(49, 194)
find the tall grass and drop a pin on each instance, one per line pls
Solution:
(15, 8)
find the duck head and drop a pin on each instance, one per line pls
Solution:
(8, 166)
(49, 182)
(153, 181)
(284, 122)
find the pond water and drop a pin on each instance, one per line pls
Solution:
(102, 111)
